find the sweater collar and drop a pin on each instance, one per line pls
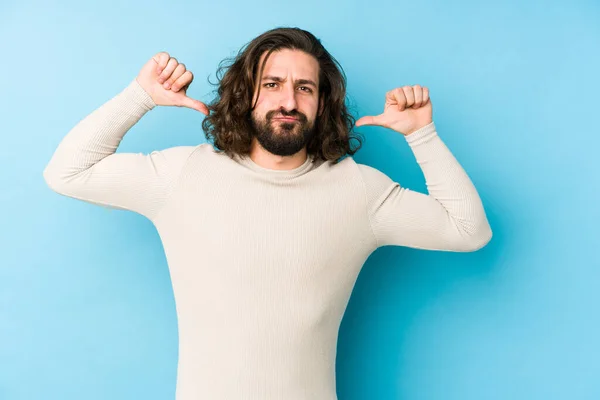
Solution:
(277, 173)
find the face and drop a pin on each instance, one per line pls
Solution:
(284, 116)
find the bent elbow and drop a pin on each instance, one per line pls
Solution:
(53, 179)
(49, 178)
(478, 240)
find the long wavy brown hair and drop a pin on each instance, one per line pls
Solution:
(228, 125)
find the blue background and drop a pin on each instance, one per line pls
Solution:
(86, 305)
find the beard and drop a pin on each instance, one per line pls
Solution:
(280, 137)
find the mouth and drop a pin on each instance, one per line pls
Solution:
(286, 119)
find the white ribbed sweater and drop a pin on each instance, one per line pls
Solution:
(263, 261)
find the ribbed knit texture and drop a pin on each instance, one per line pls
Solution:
(263, 261)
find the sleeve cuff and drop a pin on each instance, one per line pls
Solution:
(421, 135)
(137, 93)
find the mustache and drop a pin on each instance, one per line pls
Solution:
(283, 113)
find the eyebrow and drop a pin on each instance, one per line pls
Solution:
(297, 81)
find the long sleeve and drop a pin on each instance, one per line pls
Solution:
(86, 167)
(451, 217)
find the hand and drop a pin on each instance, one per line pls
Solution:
(406, 110)
(162, 68)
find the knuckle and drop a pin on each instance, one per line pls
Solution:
(177, 74)
(168, 69)
(163, 57)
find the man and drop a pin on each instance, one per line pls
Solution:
(266, 230)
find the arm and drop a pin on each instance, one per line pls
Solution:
(450, 218)
(86, 167)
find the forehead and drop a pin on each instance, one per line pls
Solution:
(286, 62)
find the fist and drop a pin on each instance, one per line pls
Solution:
(406, 110)
(166, 80)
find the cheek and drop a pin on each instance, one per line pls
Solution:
(258, 112)
(310, 108)
(263, 106)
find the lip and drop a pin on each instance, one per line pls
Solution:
(286, 119)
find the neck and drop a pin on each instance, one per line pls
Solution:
(263, 158)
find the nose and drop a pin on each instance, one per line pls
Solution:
(287, 99)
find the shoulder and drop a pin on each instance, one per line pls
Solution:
(372, 177)
(368, 174)
(175, 158)
(181, 153)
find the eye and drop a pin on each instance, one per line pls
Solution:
(306, 89)
(270, 83)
